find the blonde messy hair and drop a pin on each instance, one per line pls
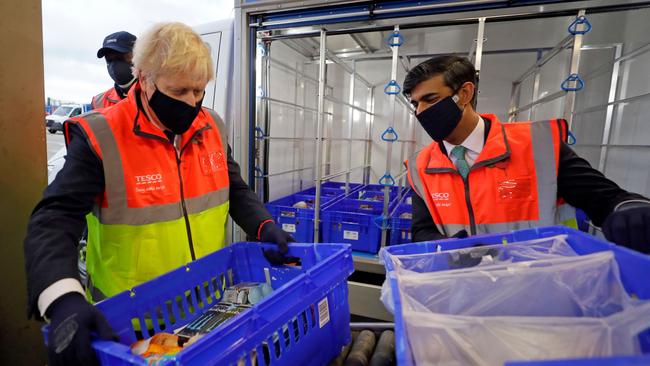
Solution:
(172, 48)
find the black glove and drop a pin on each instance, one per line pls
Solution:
(629, 227)
(272, 233)
(72, 321)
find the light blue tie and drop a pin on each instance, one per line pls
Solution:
(461, 164)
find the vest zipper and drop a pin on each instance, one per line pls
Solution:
(470, 209)
(183, 206)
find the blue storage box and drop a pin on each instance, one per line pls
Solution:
(400, 226)
(326, 192)
(375, 192)
(305, 321)
(299, 222)
(355, 222)
(634, 274)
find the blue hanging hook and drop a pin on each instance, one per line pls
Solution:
(259, 133)
(571, 138)
(391, 39)
(381, 222)
(394, 85)
(573, 77)
(387, 180)
(390, 135)
(260, 171)
(581, 20)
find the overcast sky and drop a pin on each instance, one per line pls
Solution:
(73, 31)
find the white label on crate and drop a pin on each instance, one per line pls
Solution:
(323, 313)
(350, 235)
(290, 228)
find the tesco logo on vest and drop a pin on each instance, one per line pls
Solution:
(148, 178)
(440, 196)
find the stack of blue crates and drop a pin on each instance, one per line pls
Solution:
(299, 222)
(358, 218)
(400, 221)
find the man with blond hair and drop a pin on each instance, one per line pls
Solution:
(153, 176)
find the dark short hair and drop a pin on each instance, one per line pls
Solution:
(456, 71)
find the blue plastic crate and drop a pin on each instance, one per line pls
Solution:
(400, 227)
(325, 192)
(305, 321)
(375, 192)
(634, 268)
(355, 222)
(299, 222)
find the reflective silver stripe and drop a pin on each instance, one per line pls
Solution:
(415, 176)
(450, 230)
(118, 211)
(114, 183)
(112, 100)
(207, 201)
(223, 132)
(505, 227)
(97, 101)
(420, 189)
(545, 171)
(565, 213)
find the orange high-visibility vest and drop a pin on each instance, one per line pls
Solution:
(163, 205)
(512, 185)
(106, 99)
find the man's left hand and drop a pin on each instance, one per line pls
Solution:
(630, 227)
(274, 234)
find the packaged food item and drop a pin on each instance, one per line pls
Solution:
(247, 293)
(236, 300)
(211, 319)
(300, 204)
(158, 347)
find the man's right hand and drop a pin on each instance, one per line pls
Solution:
(73, 319)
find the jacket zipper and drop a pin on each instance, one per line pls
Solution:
(183, 205)
(470, 209)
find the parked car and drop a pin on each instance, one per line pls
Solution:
(54, 122)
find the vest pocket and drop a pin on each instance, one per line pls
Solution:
(514, 189)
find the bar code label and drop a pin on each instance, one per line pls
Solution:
(323, 313)
(290, 228)
(350, 235)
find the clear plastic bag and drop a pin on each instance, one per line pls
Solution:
(479, 256)
(449, 340)
(565, 286)
(529, 300)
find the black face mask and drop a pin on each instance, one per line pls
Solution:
(441, 119)
(174, 114)
(120, 72)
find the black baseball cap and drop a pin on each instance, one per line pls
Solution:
(121, 42)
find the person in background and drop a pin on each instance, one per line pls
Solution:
(155, 180)
(483, 176)
(117, 50)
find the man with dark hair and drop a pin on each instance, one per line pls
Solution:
(117, 50)
(483, 176)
